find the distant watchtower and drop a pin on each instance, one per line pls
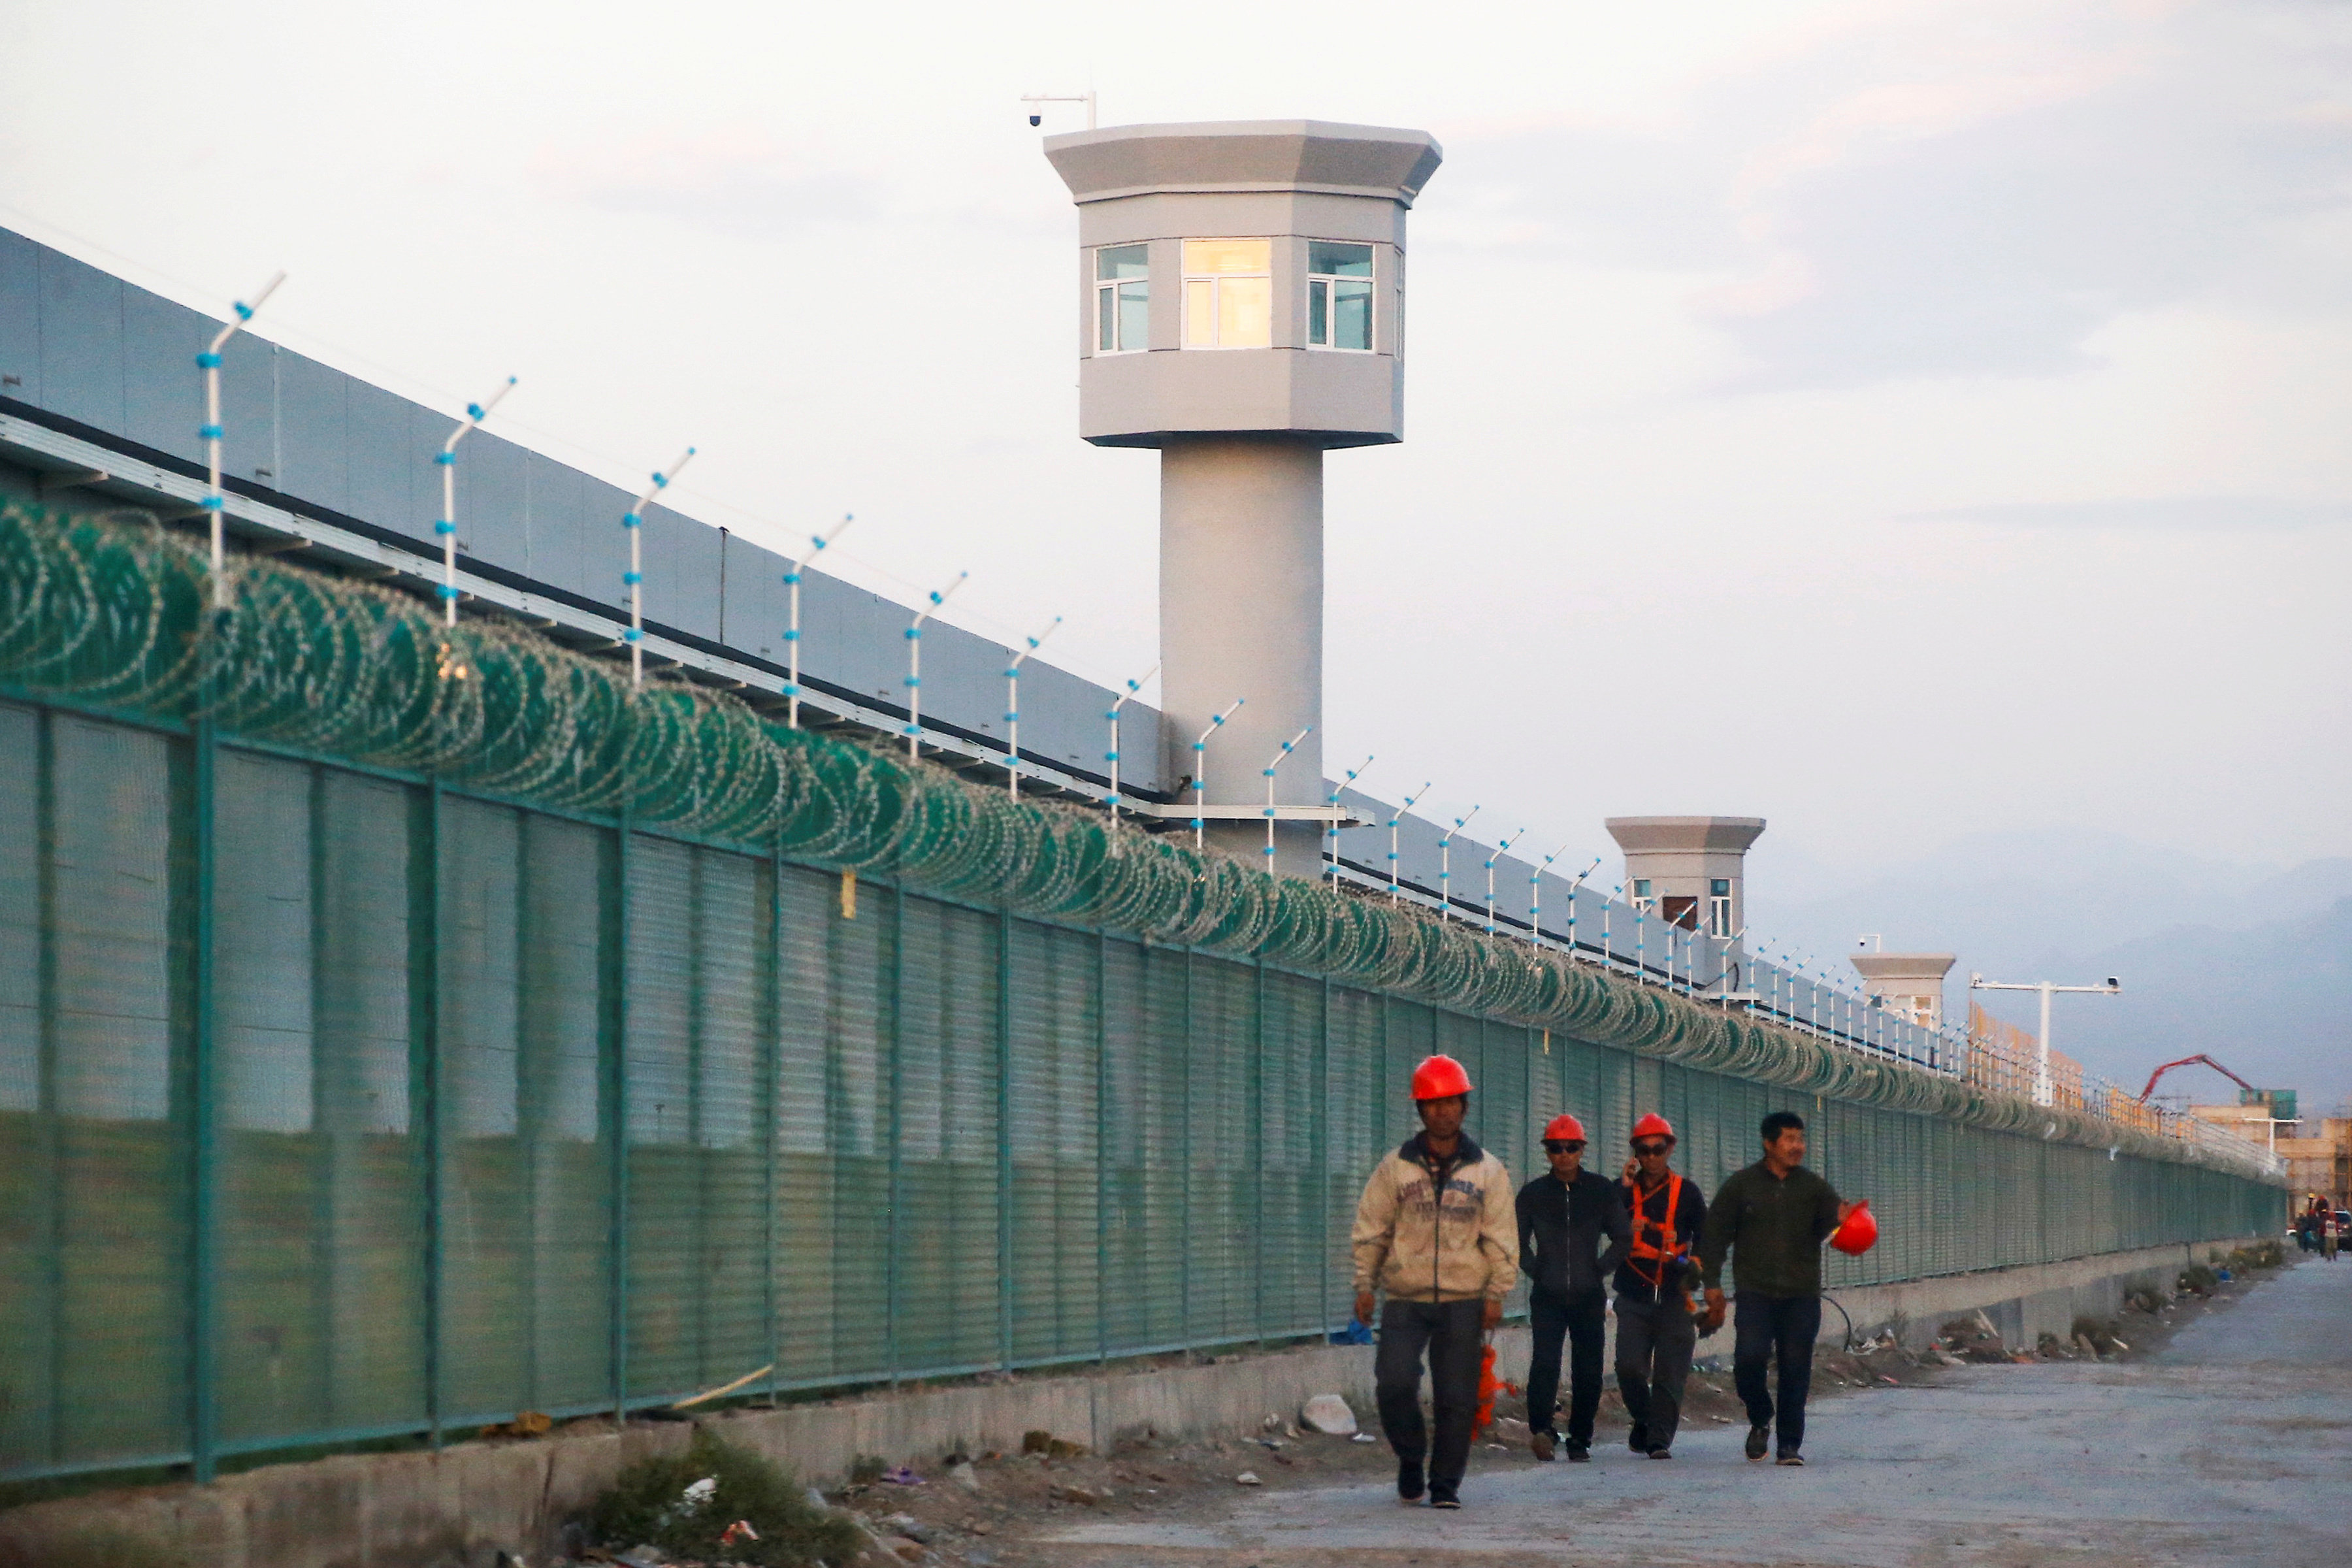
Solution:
(1240, 288)
(1689, 869)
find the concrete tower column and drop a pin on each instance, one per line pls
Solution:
(1241, 310)
(1240, 615)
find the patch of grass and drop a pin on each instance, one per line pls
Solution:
(647, 1506)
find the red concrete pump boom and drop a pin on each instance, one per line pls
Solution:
(2199, 1060)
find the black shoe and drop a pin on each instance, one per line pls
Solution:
(1578, 1453)
(1638, 1440)
(1440, 1497)
(1409, 1482)
(1759, 1438)
(1662, 1453)
(1790, 1456)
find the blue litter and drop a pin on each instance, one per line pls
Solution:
(1355, 1333)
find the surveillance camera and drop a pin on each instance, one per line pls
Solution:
(1036, 120)
(2113, 984)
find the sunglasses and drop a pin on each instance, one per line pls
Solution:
(1562, 1145)
(1646, 1150)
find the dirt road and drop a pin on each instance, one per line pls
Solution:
(2232, 1445)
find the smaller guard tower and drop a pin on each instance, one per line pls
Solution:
(1241, 310)
(1909, 983)
(1689, 869)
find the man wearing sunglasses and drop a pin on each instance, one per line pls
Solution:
(1565, 1215)
(1656, 1330)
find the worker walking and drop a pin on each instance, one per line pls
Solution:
(1656, 1330)
(1565, 1216)
(1771, 1218)
(1434, 1232)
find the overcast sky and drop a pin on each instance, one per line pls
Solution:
(1899, 420)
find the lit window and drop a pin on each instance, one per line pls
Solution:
(1122, 299)
(1228, 293)
(1339, 295)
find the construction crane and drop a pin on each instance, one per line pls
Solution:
(2197, 1060)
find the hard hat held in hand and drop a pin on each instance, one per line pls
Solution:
(1439, 1078)
(1563, 1126)
(1858, 1232)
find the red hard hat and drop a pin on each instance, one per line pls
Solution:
(1654, 1126)
(1563, 1126)
(1859, 1233)
(1439, 1078)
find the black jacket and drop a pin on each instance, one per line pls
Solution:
(1560, 1231)
(1689, 1220)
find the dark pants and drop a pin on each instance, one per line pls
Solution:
(1583, 1322)
(1764, 1327)
(1654, 1342)
(1454, 1335)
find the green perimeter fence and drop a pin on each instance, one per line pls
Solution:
(344, 1101)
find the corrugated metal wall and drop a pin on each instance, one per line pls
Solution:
(335, 1105)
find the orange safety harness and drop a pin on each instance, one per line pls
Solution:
(1665, 1249)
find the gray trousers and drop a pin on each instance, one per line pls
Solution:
(1653, 1360)
(1452, 1333)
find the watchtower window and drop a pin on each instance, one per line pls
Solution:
(1122, 299)
(1228, 293)
(1339, 295)
(1718, 906)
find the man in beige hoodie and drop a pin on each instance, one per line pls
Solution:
(1436, 1231)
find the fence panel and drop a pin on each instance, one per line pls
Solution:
(505, 1110)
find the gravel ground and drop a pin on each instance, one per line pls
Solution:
(2224, 1434)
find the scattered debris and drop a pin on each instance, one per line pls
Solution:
(902, 1476)
(908, 1525)
(526, 1424)
(965, 1475)
(1248, 1479)
(1329, 1414)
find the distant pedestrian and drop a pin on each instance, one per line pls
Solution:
(1655, 1330)
(1433, 1232)
(1771, 1218)
(1566, 1215)
(2331, 1232)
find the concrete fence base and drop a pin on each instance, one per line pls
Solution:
(462, 1505)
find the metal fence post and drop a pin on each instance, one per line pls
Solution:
(1184, 1230)
(898, 1095)
(1005, 1137)
(620, 1069)
(1102, 1144)
(204, 1296)
(772, 1093)
(1257, 1157)
(1319, 1139)
(425, 968)
(52, 1220)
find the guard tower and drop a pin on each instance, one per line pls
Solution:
(1240, 308)
(1688, 869)
(1907, 983)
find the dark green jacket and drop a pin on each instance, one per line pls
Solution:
(1774, 1226)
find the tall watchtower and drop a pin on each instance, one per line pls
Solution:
(1241, 308)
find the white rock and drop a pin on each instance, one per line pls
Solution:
(1329, 1414)
(1248, 1479)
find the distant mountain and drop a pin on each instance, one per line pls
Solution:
(2250, 964)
